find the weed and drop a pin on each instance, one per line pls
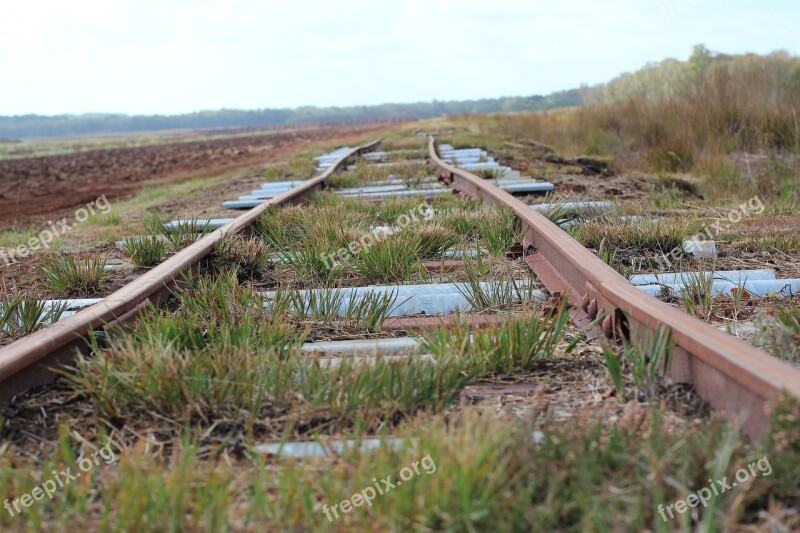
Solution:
(648, 363)
(391, 259)
(22, 315)
(371, 309)
(788, 243)
(343, 181)
(323, 305)
(146, 250)
(112, 219)
(217, 313)
(387, 211)
(313, 261)
(519, 343)
(65, 274)
(614, 366)
(179, 235)
(697, 294)
(249, 255)
(490, 173)
(502, 291)
(435, 239)
(281, 227)
(461, 221)
(662, 235)
(499, 228)
(260, 387)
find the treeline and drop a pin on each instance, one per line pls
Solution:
(33, 126)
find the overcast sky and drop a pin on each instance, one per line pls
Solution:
(175, 56)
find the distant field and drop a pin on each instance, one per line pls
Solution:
(46, 180)
(28, 148)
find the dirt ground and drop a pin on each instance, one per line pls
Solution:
(35, 190)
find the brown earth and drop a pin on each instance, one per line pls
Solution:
(35, 190)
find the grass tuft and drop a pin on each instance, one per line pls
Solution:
(391, 259)
(65, 274)
(146, 250)
(249, 255)
(20, 315)
(434, 240)
(647, 363)
(499, 228)
(518, 344)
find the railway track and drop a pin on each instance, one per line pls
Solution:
(26, 363)
(735, 378)
(376, 308)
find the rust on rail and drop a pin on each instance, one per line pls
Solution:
(735, 378)
(27, 362)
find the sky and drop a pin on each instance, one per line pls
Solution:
(179, 56)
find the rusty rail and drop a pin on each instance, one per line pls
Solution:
(734, 377)
(27, 362)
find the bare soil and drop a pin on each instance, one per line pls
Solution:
(35, 190)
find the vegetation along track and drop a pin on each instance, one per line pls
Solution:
(734, 377)
(367, 247)
(26, 362)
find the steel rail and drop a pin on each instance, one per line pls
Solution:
(27, 362)
(735, 378)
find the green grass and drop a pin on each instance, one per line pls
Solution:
(66, 274)
(343, 181)
(323, 307)
(474, 473)
(499, 228)
(21, 315)
(788, 243)
(309, 242)
(697, 296)
(249, 255)
(518, 344)
(315, 261)
(371, 310)
(434, 240)
(364, 173)
(218, 313)
(146, 250)
(185, 233)
(259, 386)
(393, 258)
(281, 227)
(15, 237)
(461, 221)
(660, 236)
(388, 211)
(647, 364)
(300, 167)
(502, 289)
